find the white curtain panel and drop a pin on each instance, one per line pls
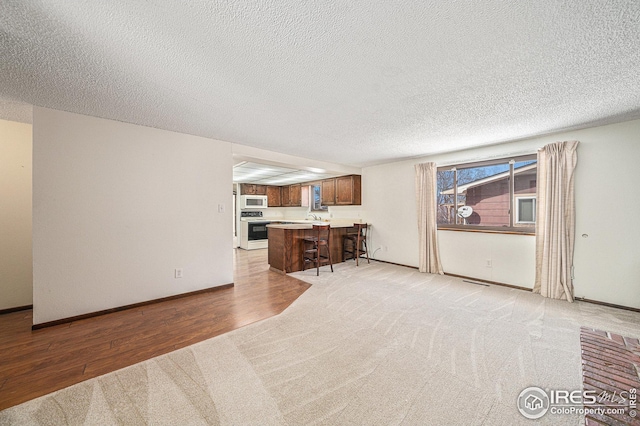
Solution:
(555, 220)
(427, 226)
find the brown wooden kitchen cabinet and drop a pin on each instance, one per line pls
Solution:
(285, 199)
(328, 192)
(252, 189)
(295, 195)
(349, 190)
(274, 196)
(292, 195)
(247, 189)
(285, 246)
(342, 191)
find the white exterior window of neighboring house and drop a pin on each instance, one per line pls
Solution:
(526, 209)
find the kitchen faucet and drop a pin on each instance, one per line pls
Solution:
(314, 216)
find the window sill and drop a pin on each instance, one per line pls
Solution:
(487, 231)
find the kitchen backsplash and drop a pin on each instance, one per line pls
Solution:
(300, 213)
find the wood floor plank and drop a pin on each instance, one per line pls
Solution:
(24, 387)
(34, 363)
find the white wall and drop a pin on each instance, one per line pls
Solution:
(117, 207)
(15, 215)
(389, 204)
(466, 254)
(607, 265)
(607, 262)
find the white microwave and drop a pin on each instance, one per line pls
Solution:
(253, 202)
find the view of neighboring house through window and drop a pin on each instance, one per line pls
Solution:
(498, 195)
(316, 199)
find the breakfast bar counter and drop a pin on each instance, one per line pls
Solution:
(285, 243)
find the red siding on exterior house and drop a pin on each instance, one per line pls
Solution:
(490, 202)
(525, 183)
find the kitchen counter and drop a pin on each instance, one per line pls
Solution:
(308, 224)
(285, 243)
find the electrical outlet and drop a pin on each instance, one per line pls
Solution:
(178, 273)
(488, 263)
(220, 208)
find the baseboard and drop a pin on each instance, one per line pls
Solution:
(488, 282)
(16, 309)
(581, 299)
(122, 308)
(393, 263)
(611, 305)
(277, 271)
(460, 276)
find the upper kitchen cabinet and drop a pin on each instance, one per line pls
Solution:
(342, 191)
(349, 190)
(295, 195)
(328, 192)
(274, 196)
(252, 189)
(285, 200)
(292, 195)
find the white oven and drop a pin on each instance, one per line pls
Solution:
(254, 235)
(253, 202)
(253, 230)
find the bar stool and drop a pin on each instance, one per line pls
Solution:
(312, 245)
(355, 243)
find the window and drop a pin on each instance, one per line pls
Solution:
(316, 198)
(496, 195)
(526, 210)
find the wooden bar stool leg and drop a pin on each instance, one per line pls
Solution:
(313, 244)
(318, 258)
(366, 249)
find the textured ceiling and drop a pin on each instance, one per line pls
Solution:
(351, 82)
(15, 111)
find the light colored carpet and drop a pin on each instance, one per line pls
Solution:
(377, 344)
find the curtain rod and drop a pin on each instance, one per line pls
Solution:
(489, 158)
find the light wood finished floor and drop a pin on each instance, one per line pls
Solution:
(34, 363)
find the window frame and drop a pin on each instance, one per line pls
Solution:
(514, 227)
(535, 206)
(313, 207)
